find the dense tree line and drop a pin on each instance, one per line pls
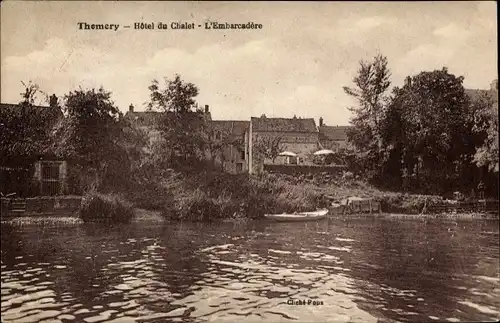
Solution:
(427, 136)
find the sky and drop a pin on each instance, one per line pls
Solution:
(297, 64)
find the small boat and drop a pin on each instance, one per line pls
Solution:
(298, 217)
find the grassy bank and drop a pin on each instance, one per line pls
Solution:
(208, 195)
(213, 196)
(341, 188)
(43, 220)
(444, 216)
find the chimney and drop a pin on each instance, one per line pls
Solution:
(321, 121)
(294, 116)
(130, 108)
(53, 101)
(494, 85)
(207, 108)
(408, 81)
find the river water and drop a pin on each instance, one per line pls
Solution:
(364, 270)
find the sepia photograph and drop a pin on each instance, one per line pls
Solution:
(216, 161)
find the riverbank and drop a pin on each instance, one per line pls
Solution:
(142, 215)
(214, 196)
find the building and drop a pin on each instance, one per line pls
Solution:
(246, 146)
(491, 93)
(24, 168)
(332, 137)
(296, 135)
(147, 121)
(230, 144)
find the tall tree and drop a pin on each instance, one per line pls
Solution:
(182, 123)
(371, 84)
(268, 147)
(433, 112)
(92, 135)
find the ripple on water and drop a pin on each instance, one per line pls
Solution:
(481, 308)
(346, 249)
(344, 239)
(103, 316)
(224, 246)
(234, 282)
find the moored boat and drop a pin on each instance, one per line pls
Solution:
(298, 217)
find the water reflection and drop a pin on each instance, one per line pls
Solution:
(354, 271)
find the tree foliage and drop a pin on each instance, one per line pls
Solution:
(486, 126)
(91, 127)
(268, 147)
(371, 84)
(182, 124)
(217, 140)
(425, 136)
(428, 128)
(94, 136)
(25, 128)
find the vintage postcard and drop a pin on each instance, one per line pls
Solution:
(249, 161)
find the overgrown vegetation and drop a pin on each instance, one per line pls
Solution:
(212, 195)
(107, 208)
(427, 137)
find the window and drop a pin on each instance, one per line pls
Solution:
(50, 188)
(217, 135)
(242, 156)
(50, 179)
(50, 171)
(239, 167)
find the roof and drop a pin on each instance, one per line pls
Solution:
(476, 94)
(283, 125)
(334, 133)
(50, 113)
(234, 127)
(143, 118)
(35, 122)
(149, 118)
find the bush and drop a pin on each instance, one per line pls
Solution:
(408, 203)
(272, 194)
(199, 206)
(107, 208)
(209, 196)
(151, 196)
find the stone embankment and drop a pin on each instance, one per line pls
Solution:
(43, 205)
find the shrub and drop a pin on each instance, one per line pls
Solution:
(408, 203)
(208, 196)
(151, 196)
(198, 206)
(109, 208)
(272, 194)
